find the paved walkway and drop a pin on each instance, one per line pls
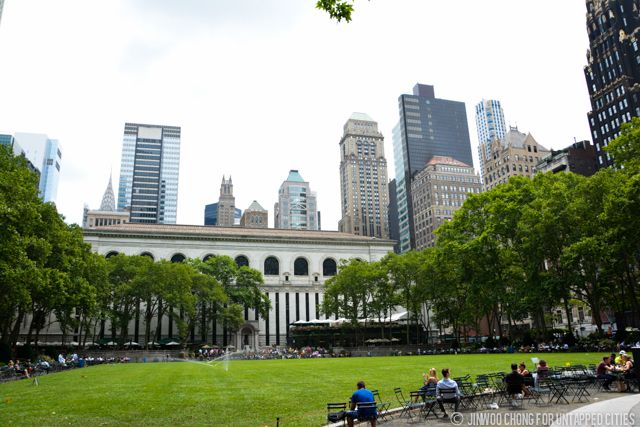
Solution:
(603, 410)
(622, 411)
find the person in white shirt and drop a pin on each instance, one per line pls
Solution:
(447, 392)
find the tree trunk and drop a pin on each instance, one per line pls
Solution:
(632, 283)
(16, 328)
(147, 326)
(567, 311)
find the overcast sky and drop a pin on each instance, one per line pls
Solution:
(263, 86)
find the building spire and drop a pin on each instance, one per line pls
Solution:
(108, 199)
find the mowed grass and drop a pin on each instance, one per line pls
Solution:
(249, 393)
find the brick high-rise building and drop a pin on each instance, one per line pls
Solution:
(438, 191)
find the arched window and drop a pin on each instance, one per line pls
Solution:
(300, 267)
(148, 254)
(242, 261)
(178, 258)
(207, 256)
(271, 266)
(110, 254)
(329, 267)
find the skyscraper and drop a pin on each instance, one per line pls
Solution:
(149, 173)
(490, 125)
(363, 178)
(10, 142)
(108, 198)
(44, 153)
(613, 69)
(428, 127)
(226, 204)
(296, 206)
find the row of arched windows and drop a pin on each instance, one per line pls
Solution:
(271, 265)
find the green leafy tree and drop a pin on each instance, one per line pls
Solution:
(206, 293)
(337, 9)
(19, 222)
(403, 272)
(242, 285)
(625, 149)
(347, 293)
(544, 230)
(125, 273)
(162, 285)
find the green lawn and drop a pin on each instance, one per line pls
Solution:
(249, 393)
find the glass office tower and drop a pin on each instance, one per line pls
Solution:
(149, 173)
(428, 127)
(490, 125)
(44, 153)
(296, 207)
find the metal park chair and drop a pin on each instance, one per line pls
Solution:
(407, 405)
(382, 407)
(337, 412)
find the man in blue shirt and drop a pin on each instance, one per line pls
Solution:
(362, 395)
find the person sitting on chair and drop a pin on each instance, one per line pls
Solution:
(430, 382)
(528, 378)
(447, 392)
(431, 378)
(543, 369)
(514, 381)
(627, 368)
(362, 395)
(603, 371)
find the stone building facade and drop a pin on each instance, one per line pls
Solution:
(295, 265)
(437, 192)
(364, 193)
(516, 154)
(107, 214)
(255, 216)
(226, 204)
